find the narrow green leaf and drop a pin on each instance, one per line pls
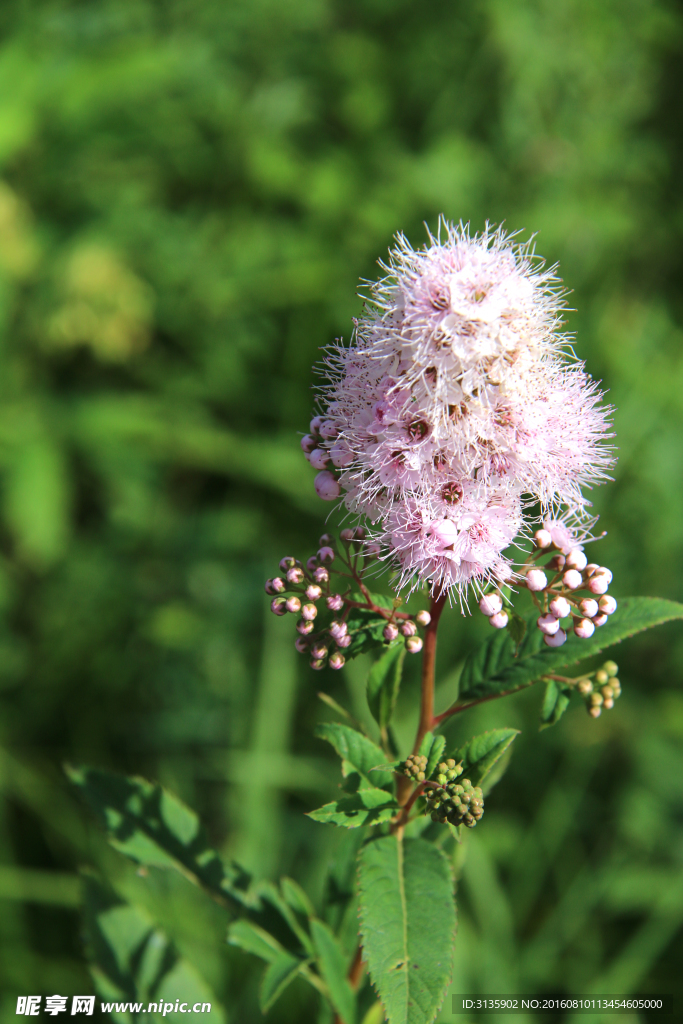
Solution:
(435, 754)
(357, 750)
(494, 668)
(426, 744)
(481, 753)
(384, 683)
(296, 898)
(366, 807)
(269, 892)
(278, 975)
(389, 766)
(333, 967)
(151, 826)
(253, 939)
(407, 914)
(555, 702)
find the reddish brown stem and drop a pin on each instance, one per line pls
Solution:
(427, 720)
(457, 708)
(354, 976)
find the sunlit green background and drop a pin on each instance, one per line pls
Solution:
(190, 191)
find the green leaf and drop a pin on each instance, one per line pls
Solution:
(494, 669)
(333, 967)
(269, 892)
(384, 682)
(407, 915)
(296, 898)
(481, 753)
(253, 939)
(516, 628)
(366, 807)
(555, 702)
(278, 975)
(360, 753)
(152, 827)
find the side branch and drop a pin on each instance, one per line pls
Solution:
(457, 708)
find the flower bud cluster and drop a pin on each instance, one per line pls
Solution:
(414, 767)
(459, 803)
(567, 585)
(457, 397)
(600, 689)
(324, 625)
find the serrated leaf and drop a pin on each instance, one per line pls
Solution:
(253, 939)
(333, 968)
(426, 744)
(494, 669)
(357, 750)
(407, 914)
(278, 975)
(152, 827)
(366, 807)
(389, 766)
(480, 754)
(555, 702)
(384, 682)
(435, 754)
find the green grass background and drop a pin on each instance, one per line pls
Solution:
(190, 191)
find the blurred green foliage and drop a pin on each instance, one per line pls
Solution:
(189, 193)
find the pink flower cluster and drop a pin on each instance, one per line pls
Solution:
(456, 403)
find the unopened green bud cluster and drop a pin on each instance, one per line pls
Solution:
(458, 802)
(600, 689)
(415, 767)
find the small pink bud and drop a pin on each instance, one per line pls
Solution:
(591, 569)
(293, 604)
(390, 632)
(584, 628)
(499, 620)
(301, 644)
(360, 533)
(317, 663)
(542, 539)
(326, 538)
(408, 628)
(556, 563)
(312, 564)
(600, 620)
(318, 458)
(318, 650)
(313, 592)
(344, 641)
(347, 535)
(338, 629)
(328, 429)
(335, 602)
(490, 604)
(341, 456)
(326, 554)
(278, 606)
(295, 575)
(371, 550)
(327, 486)
(548, 624)
(595, 711)
(308, 443)
(607, 604)
(423, 618)
(287, 563)
(560, 607)
(304, 627)
(576, 559)
(604, 571)
(269, 588)
(536, 579)
(309, 612)
(414, 644)
(556, 640)
(279, 585)
(598, 584)
(589, 607)
(337, 660)
(321, 575)
(572, 579)
(315, 424)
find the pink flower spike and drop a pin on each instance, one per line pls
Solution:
(326, 486)
(560, 607)
(576, 560)
(598, 584)
(490, 604)
(607, 604)
(600, 620)
(499, 620)
(536, 579)
(572, 579)
(589, 607)
(548, 624)
(556, 640)
(584, 628)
